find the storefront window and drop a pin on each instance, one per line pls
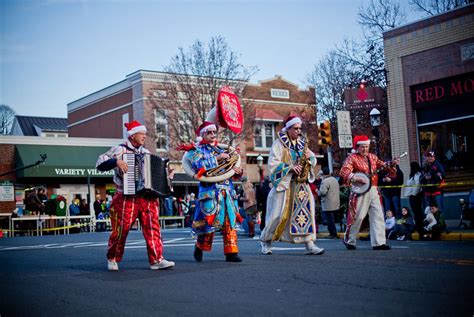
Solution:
(452, 141)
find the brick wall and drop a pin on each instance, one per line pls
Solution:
(7, 163)
(421, 52)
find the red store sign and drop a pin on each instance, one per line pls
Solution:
(452, 91)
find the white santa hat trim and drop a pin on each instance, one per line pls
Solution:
(291, 122)
(134, 127)
(207, 128)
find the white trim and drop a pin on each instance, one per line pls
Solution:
(37, 140)
(443, 121)
(103, 113)
(98, 95)
(257, 154)
(140, 128)
(283, 103)
(269, 120)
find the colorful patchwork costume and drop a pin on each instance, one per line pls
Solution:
(217, 202)
(290, 213)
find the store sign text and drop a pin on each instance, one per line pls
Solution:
(438, 92)
(455, 90)
(81, 172)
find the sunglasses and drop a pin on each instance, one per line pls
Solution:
(211, 132)
(296, 129)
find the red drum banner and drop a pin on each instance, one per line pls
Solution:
(229, 110)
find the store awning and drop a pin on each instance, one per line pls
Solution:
(267, 115)
(183, 180)
(62, 161)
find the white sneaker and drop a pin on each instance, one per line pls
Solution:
(266, 247)
(312, 249)
(112, 265)
(162, 265)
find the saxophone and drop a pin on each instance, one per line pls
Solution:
(305, 165)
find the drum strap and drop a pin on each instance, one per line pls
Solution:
(370, 172)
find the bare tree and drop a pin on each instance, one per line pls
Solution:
(194, 77)
(432, 7)
(7, 116)
(331, 76)
(353, 61)
(367, 56)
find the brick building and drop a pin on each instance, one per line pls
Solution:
(430, 69)
(69, 169)
(271, 101)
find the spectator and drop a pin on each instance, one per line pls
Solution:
(415, 195)
(33, 203)
(42, 195)
(249, 204)
(99, 212)
(330, 200)
(434, 223)
(262, 194)
(404, 226)
(389, 222)
(74, 209)
(192, 205)
(432, 177)
(391, 195)
(84, 207)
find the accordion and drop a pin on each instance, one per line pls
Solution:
(147, 176)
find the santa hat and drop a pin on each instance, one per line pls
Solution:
(134, 127)
(291, 120)
(360, 140)
(204, 127)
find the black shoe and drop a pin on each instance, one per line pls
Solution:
(350, 246)
(233, 257)
(332, 237)
(382, 247)
(197, 254)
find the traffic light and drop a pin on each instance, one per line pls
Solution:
(324, 133)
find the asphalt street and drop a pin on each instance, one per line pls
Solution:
(66, 276)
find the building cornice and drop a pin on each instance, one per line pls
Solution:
(281, 103)
(38, 140)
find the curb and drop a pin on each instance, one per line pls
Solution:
(451, 236)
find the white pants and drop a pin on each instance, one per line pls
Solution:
(367, 203)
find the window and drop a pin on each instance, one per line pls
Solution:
(280, 93)
(185, 125)
(182, 95)
(161, 130)
(264, 135)
(159, 93)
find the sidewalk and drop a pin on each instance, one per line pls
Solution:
(455, 233)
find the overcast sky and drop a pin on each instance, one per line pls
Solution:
(53, 52)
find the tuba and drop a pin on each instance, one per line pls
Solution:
(227, 114)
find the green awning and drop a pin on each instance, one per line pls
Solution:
(62, 161)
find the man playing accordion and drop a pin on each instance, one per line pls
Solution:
(127, 208)
(369, 202)
(217, 201)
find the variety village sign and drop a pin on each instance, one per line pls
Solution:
(81, 172)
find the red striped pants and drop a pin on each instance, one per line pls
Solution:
(124, 212)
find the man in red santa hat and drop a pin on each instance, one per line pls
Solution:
(127, 208)
(369, 202)
(217, 208)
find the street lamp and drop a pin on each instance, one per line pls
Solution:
(375, 121)
(260, 165)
